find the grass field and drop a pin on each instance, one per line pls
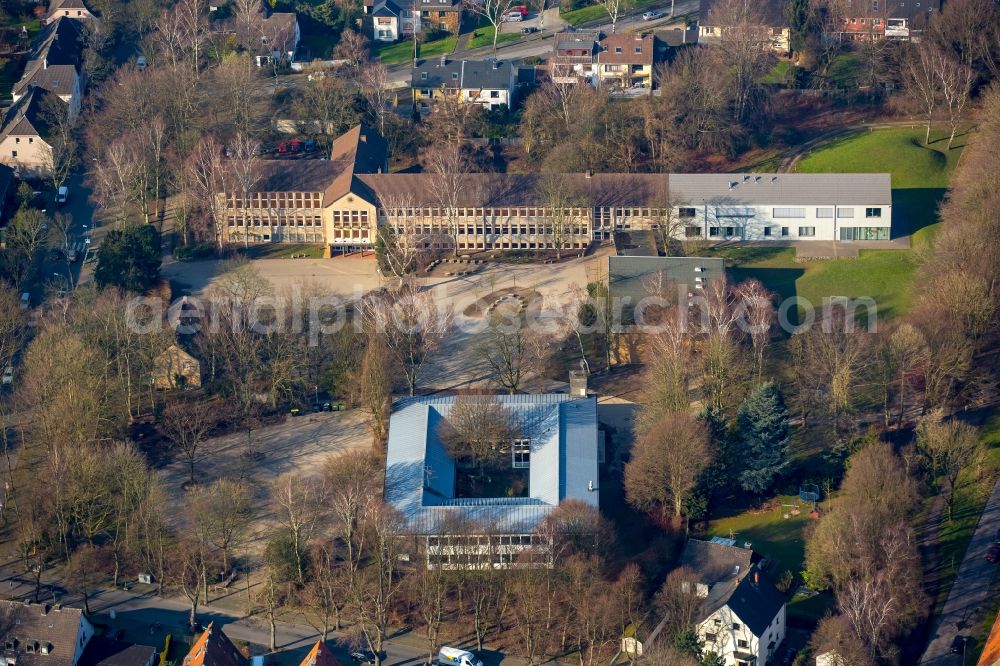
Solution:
(919, 180)
(773, 536)
(484, 37)
(596, 12)
(284, 251)
(402, 51)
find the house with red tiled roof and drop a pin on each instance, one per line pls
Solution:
(320, 655)
(625, 60)
(213, 648)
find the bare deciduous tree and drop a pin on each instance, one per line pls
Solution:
(478, 430)
(186, 424)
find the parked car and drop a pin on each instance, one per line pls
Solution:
(958, 644)
(8, 375)
(311, 145)
(363, 656)
(62, 195)
(295, 146)
(57, 255)
(513, 17)
(140, 63)
(993, 554)
(25, 300)
(449, 656)
(529, 30)
(295, 411)
(282, 148)
(651, 15)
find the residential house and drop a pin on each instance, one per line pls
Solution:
(555, 451)
(625, 60)
(268, 35)
(490, 84)
(320, 655)
(742, 617)
(341, 202)
(213, 648)
(72, 9)
(43, 634)
(175, 368)
(438, 15)
(387, 23)
(775, 34)
(53, 65)
(574, 55)
(104, 651)
(23, 138)
(877, 19)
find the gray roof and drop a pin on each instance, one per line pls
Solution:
(103, 651)
(420, 476)
(791, 189)
(57, 629)
(626, 278)
(462, 74)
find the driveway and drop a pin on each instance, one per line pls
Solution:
(970, 591)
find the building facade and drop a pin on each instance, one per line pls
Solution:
(775, 31)
(490, 84)
(623, 60)
(555, 451)
(342, 202)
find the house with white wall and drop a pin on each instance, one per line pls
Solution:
(71, 9)
(742, 616)
(23, 144)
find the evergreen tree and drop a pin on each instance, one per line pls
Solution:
(129, 259)
(798, 18)
(762, 424)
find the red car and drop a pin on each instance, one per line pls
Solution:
(993, 554)
(296, 145)
(282, 147)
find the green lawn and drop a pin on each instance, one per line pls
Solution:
(771, 535)
(484, 37)
(596, 12)
(781, 74)
(285, 251)
(919, 173)
(919, 180)
(402, 51)
(970, 497)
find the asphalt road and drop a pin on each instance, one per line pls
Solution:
(970, 591)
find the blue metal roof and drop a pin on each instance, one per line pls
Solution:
(420, 476)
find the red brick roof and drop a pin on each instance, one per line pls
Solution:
(626, 49)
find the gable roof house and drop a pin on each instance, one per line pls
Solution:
(104, 651)
(319, 655)
(877, 19)
(490, 84)
(776, 34)
(43, 634)
(23, 139)
(384, 20)
(557, 444)
(270, 36)
(742, 617)
(573, 56)
(175, 368)
(213, 648)
(626, 60)
(53, 65)
(71, 9)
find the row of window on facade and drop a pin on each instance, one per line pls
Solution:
(824, 212)
(846, 233)
(469, 230)
(277, 200)
(484, 542)
(277, 221)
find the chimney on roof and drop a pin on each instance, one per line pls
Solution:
(578, 382)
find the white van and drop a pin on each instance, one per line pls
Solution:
(449, 656)
(513, 17)
(62, 195)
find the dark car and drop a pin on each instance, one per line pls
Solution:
(993, 554)
(958, 644)
(327, 406)
(58, 255)
(529, 30)
(316, 407)
(295, 411)
(363, 657)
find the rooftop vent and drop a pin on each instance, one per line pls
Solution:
(774, 179)
(733, 184)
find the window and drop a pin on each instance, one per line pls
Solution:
(736, 626)
(824, 212)
(31, 139)
(521, 454)
(767, 231)
(686, 212)
(730, 231)
(874, 5)
(17, 139)
(618, 49)
(709, 638)
(494, 94)
(784, 231)
(789, 212)
(13, 153)
(806, 232)
(692, 232)
(454, 76)
(638, 50)
(742, 643)
(845, 212)
(712, 231)
(423, 76)
(873, 212)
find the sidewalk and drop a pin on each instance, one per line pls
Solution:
(970, 590)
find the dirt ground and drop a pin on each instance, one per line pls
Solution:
(300, 444)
